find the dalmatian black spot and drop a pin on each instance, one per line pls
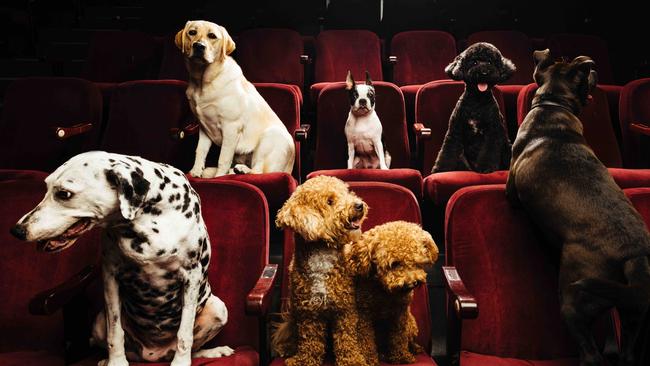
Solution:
(155, 230)
(158, 173)
(177, 173)
(188, 214)
(85, 164)
(162, 186)
(160, 252)
(191, 254)
(205, 260)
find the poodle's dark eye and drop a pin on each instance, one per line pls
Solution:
(212, 36)
(474, 62)
(192, 32)
(395, 265)
(63, 195)
(330, 201)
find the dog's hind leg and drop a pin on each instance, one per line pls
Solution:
(633, 310)
(276, 152)
(347, 348)
(207, 325)
(379, 150)
(311, 343)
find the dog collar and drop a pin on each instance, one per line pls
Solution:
(549, 103)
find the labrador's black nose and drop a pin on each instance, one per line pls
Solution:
(19, 231)
(198, 46)
(358, 206)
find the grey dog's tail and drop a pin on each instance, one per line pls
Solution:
(284, 337)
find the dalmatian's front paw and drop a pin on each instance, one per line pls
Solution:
(116, 361)
(196, 172)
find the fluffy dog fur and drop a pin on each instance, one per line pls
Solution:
(477, 138)
(390, 261)
(571, 196)
(326, 216)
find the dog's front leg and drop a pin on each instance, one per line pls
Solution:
(185, 334)
(114, 330)
(231, 135)
(379, 150)
(350, 155)
(347, 347)
(202, 149)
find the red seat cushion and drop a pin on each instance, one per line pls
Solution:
(421, 56)
(634, 108)
(439, 187)
(421, 360)
(37, 358)
(243, 356)
(476, 359)
(408, 178)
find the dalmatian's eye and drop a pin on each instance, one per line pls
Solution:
(192, 32)
(63, 195)
(212, 36)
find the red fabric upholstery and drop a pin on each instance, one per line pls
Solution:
(116, 56)
(476, 359)
(595, 117)
(33, 108)
(271, 55)
(410, 92)
(421, 56)
(439, 187)
(634, 108)
(141, 116)
(573, 45)
(38, 358)
(338, 51)
(421, 360)
(407, 178)
(285, 101)
(11, 174)
(387, 202)
(509, 270)
(332, 113)
(510, 94)
(640, 198)
(433, 106)
(244, 356)
(514, 45)
(26, 272)
(172, 65)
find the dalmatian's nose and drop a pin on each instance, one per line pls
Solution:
(19, 231)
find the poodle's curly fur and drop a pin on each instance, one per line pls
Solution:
(389, 262)
(477, 137)
(326, 216)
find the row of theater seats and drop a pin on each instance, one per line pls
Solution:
(495, 260)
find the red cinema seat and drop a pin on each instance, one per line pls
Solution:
(331, 145)
(420, 57)
(172, 65)
(499, 272)
(634, 118)
(595, 117)
(338, 51)
(272, 55)
(45, 121)
(387, 202)
(573, 45)
(27, 338)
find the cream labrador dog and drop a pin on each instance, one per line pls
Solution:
(231, 112)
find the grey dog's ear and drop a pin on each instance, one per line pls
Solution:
(507, 69)
(131, 188)
(542, 58)
(453, 70)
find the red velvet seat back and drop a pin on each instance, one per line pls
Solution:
(513, 45)
(237, 218)
(596, 121)
(509, 269)
(172, 65)
(421, 56)
(332, 113)
(33, 108)
(640, 198)
(271, 55)
(635, 108)
(573, 45)
(434, 104)
(116, 56)
(387, 202)
(141, 116)
(24, 272)
(338, 51)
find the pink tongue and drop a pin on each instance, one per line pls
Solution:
(482, 87)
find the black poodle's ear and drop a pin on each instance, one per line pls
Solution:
(453, 70)
(507, 69)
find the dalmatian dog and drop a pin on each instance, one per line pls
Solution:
(155, 254)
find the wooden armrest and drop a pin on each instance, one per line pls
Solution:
(181, 133)
(302, 133)
(49, 301)
(464, 303)
(305, 59)
(392, 60)
(259, 298)
(63, 133)
(421, 132)
(640, 128)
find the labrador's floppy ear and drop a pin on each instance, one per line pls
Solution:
(349, 81)
(227, 44)
(179, 40)
(131, 187)
(453, 70)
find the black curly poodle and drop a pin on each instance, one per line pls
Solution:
(477, 138)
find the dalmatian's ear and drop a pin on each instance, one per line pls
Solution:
(131, 187)
(453, 70)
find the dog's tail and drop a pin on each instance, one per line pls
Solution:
(284, 337)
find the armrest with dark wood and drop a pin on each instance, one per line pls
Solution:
(49, 301)
(305, 59)
(302, 133)
(461, 305)
(259, 298)
(181, 133)
(421, 132)
(63, 133)
(392, 60)
(640, 128)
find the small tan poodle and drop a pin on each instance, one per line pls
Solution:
(325, 215)
(390, 261)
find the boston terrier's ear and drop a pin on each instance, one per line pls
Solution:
(349, 81)
(368, 80)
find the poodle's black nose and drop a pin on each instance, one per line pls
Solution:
(19, 232)
(358, 206)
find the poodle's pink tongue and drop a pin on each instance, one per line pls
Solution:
(482, 87)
